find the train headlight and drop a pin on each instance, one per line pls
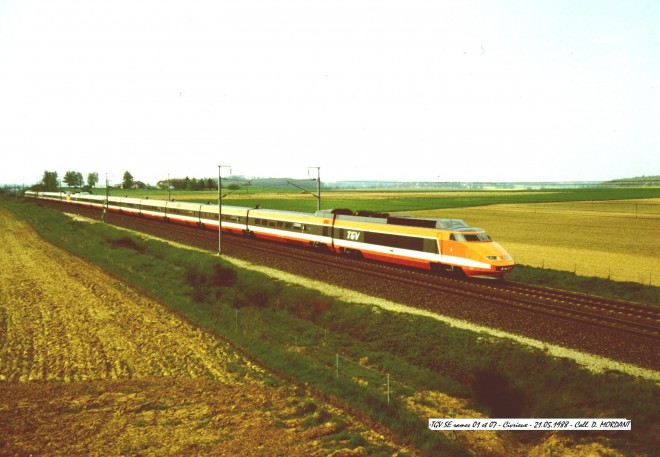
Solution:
(492, 257)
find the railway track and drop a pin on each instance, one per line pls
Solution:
(612, 314)
(615, 315)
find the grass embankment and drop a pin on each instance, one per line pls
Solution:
(566, 280)
(301, 334)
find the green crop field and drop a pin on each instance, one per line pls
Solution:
(391, 200)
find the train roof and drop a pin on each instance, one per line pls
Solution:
(434, 223)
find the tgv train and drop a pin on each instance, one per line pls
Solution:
(432, 244)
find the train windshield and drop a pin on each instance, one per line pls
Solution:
(470, 237)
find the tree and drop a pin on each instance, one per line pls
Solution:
(127, 181)
(73, 178)
(49, 181)
(92, 179)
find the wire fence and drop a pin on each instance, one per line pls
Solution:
(647, 276)
(315, 345)
(621, 208)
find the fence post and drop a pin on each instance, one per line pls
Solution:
(388, 388)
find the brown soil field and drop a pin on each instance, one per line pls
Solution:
(613, 239)
(91, 367)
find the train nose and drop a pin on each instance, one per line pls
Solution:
(497, 261)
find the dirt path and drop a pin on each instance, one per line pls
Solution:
(91, 367)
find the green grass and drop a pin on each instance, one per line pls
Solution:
(398, 200)
(298, 333)
(566, 280)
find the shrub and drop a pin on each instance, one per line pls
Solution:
(252, 290)
(207, 282)
(494, 390)
(128, 243)
(306, 303)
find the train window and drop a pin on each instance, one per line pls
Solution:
(297, 226)
(477, 237)
(469, 237)
(316, 229)
(431, 246)
(395, 241)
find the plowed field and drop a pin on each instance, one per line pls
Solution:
(91, 367)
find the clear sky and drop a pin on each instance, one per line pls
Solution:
(392, 90)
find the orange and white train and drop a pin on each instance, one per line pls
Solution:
(427, 243)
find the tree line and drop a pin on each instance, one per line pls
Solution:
(189, 183)
(50, 182)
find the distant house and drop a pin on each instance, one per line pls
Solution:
(138, 185)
